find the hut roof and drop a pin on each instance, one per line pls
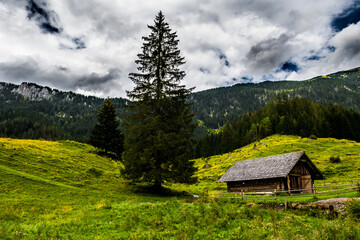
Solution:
(269, 167)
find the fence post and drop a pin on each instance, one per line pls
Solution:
(206, 193)
(242, 194)
(275, 193)
(358, 184)
(288, 183)
(314, 190)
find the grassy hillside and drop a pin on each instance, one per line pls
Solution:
(319, 151)
(64, 190)
(40, 165)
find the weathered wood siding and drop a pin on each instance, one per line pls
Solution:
(307, 183)
(256, 185)
(299, 169)
(300, 178)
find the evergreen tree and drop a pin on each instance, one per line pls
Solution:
(106, 134)
(227, 138)
(158, 124)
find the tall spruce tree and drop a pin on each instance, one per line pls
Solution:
(106, 134)
(158, 124)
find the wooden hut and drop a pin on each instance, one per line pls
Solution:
(290, 171)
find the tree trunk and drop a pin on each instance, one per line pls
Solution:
(157, 184)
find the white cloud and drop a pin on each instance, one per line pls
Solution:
(347, 44)
(222, 41)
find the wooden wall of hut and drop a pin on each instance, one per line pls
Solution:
(256, 185)
(300, 178)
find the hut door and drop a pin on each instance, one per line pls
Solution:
(294, 182)
(306, 183)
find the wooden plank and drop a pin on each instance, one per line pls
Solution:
(306, 183)
(288, 183)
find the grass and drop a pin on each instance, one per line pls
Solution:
(174, 219)
(64, 190)
(319, 151)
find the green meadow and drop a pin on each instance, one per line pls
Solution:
(319, 151)
(65, 190)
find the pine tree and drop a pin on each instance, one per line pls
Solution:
(106, 134)
(158, 123)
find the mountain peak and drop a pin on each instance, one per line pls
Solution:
(34, 92)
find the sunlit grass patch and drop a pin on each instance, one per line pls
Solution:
(319, 151)
(64, 190)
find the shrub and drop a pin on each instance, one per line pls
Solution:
(95, 172)
(333, 159)
(353, 209)
(313, 137)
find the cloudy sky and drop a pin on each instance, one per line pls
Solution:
(91, 46)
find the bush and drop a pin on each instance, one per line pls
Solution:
(333, 159)
(313, 137)
(353, 209)
(95, 172)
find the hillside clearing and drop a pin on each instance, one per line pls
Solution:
(64, 190)
(319, 151)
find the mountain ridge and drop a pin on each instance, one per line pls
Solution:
(229, 103)
(73, 115)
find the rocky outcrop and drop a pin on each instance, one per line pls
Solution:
(34, 92)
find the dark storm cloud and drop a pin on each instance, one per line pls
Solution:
(347, 43)
(268, 53)
(350, 47)
(74, 43)
(95, 81)
(49, 23)
(348, 16)
(30, 70)
(353, 48)
(46, 19)
(19, 70)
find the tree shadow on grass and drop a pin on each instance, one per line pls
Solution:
(111, 155)
(152, 190)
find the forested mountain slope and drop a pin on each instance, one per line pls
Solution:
(217, 106)
(32, 111)
(296, 116)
